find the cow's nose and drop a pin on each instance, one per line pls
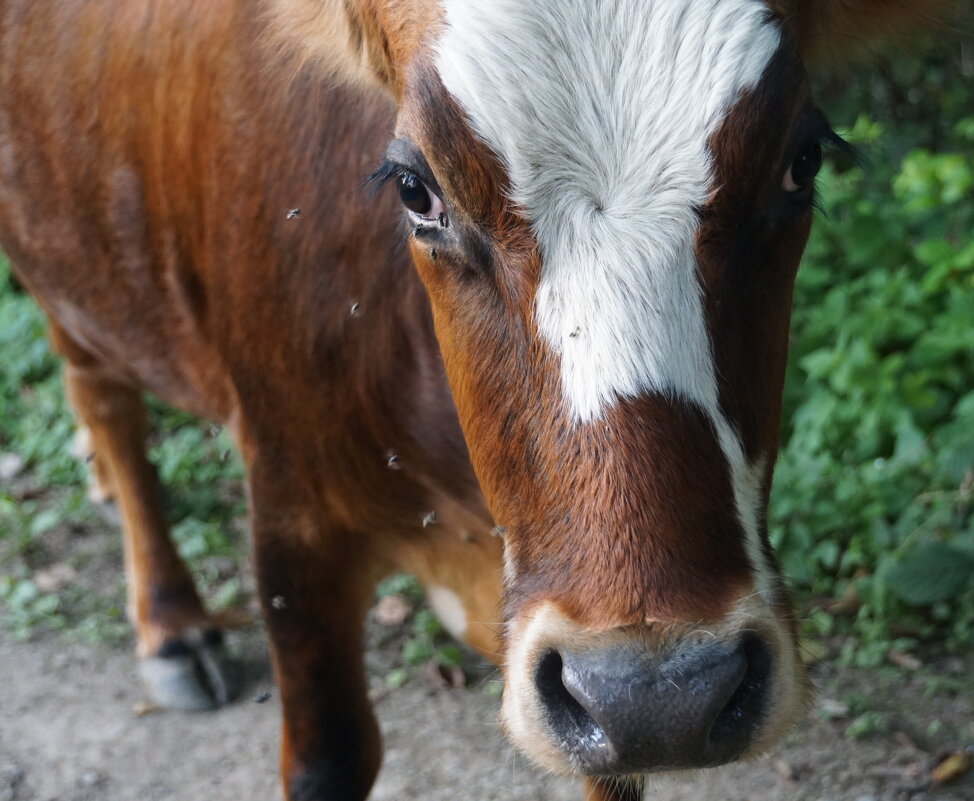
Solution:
(620, 711)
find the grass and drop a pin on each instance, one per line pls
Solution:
(46, 519)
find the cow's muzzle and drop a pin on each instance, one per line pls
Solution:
(652, 696)
(619, 710)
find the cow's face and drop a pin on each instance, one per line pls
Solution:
(608, 202)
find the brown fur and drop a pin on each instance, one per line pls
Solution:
(836, 32)
(164, 253)
(364, 41)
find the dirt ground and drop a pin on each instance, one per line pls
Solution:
(69, 731)
(71, 728)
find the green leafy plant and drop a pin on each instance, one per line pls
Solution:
(874, 491)
(866, 725)
(196, 462)
(27, 607)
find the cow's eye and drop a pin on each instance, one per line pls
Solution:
(417, 197)
(801, 174)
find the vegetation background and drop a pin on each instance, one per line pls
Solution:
(873, 506)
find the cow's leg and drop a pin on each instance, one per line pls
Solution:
(462, 573)
(101, 492)
(181, 654)
(316, 583)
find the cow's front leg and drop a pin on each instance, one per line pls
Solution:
(315, 585)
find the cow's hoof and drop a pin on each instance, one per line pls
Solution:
(191, 674)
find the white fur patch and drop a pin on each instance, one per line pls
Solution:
(81, 445)
(601, 113)
(449, 610)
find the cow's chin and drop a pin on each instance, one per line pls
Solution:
(748, 662)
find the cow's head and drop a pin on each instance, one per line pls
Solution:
(607, 202)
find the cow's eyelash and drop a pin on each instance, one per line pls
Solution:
(819, 130)
(385, 172)
(830, 140)
(391, 168)
(833, 142)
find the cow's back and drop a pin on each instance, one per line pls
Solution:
(151, 157)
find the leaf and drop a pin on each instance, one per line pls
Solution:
(45, 521)
(449, 656)
(930, 573)
(904, 660)
(416, 652)
(426, 624)
(442, 677)
(951, 768)
(397, 678)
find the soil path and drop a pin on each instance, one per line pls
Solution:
(69, 732)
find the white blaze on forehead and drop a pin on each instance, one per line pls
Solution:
(601, 112)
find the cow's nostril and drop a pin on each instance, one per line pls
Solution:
(744, 708)
(566, 717)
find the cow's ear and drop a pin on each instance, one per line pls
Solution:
(361, 41)
(835, 32)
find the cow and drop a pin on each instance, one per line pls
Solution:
(560, 332)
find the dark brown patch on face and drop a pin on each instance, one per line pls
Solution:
(750, 242)
(631, 518)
